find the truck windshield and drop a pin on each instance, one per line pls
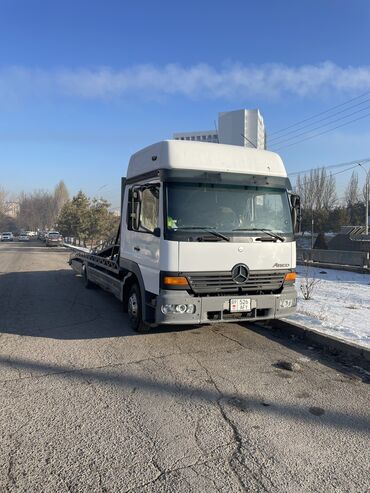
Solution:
(227, 208)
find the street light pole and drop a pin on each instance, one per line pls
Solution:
(367, 206)
(312, 224)
(366, 211)
(366, 199)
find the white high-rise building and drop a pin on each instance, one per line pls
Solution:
(201, 136)
(240, 127)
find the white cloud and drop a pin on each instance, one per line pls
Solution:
(232, 81)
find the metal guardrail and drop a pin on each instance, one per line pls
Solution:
(339, 257)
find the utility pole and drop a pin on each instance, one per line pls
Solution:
(312, 227)
(366, 200)
(366, 211)
(367, 206)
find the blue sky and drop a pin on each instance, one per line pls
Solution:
(83, 84)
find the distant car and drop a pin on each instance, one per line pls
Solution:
(7, 236)
(53, 238)
(23, 237)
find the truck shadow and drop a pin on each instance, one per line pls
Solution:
(166, 386)
(54, 304)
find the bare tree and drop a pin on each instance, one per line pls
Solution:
(308, 282)
(36, 210)
(3, 197)
(352, 195)
(363, 193)
(40, 209)
(329, 194)
(61, 196)
(317, 190)
(305, 189)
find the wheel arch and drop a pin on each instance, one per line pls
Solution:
(133, 276)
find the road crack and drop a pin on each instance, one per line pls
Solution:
(237, 439)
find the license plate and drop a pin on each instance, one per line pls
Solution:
(240, 305)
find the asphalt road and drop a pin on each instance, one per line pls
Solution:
(89, 406)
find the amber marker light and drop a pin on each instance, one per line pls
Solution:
(175, 281)
(290, 276)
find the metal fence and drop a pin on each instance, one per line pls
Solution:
(339, 257)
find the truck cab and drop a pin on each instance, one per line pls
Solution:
(207, 235)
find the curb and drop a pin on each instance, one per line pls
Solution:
(359, 355)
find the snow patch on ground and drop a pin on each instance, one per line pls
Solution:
(340, 304)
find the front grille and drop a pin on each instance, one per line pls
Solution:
(222, 282)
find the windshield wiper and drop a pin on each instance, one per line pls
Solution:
(267, 231)
(207, 230)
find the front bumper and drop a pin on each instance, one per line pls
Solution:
(211, 309)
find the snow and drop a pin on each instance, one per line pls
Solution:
(339, 305)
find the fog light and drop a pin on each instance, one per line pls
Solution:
(181, 308)
(190, 309)
(167, 309)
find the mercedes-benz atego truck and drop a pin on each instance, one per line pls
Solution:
(206, 235)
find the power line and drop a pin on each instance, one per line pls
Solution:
(321, 113)
(338, 172)
(321, 126)
(323, 133)
(331, 166)
(246, 138)
(282, 137)
(334, 174)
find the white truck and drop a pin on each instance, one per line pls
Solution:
(206, 235)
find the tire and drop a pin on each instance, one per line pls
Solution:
(134, 311)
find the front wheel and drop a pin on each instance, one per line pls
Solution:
(134, 310)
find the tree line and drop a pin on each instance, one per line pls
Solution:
(87, 220)
(320, 202)
(36, 210)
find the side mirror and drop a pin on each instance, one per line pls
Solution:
(157, 232)
(134, 208)
(295, 201)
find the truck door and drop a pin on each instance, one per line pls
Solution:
(142, 240)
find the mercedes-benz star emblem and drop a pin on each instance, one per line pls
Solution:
(240, 273)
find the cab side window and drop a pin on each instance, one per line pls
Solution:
(143, 210)
(149, 209)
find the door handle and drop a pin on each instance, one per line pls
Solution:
(137, 248)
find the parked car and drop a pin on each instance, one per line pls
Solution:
(23, 237)
(53, 238)
(7, 236)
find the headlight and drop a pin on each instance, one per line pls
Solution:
(181, 308)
